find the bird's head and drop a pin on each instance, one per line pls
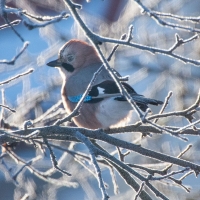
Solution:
(74, 55)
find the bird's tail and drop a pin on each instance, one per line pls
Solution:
(143, 102)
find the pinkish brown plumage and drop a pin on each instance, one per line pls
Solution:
(83, 52)
(104, 106)
(82, 120)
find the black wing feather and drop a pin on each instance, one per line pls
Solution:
(110, 87)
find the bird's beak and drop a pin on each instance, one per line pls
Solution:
(55, 63)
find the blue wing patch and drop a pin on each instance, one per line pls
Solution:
(76, 99)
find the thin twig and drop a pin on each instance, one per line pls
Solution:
(153, 178)
(8, 170)
(129, 180)
(30, 25)
(130, 37)
(128, 169)
(93, 154)
(114, 179)
(120, 86)
(3, 102)
(12, 62)
(177, 17)
(187, 126)
(11, 26)
(154, 16)
(50, 110)
(139, 191)
(13, 23)
(7, 107)
(40, 175)
(44, 18)
(179, 41)
(122, 155)
(28, 163)
(179, 156)
(183, 113)
(16, 77)
(53, 158)
(184, 176)
(115, 48)
(172, 132)
(164, 104)
(179, 183)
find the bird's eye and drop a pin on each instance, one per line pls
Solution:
(70, 58)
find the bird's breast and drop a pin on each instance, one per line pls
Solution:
(113, 113)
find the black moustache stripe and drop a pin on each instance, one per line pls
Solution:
(68, 67)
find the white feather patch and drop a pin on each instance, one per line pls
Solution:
(101, 90)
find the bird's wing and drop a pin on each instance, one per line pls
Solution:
(109, 88)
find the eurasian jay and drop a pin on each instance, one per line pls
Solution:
(77, 62)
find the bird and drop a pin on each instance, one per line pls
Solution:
(104, 106)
